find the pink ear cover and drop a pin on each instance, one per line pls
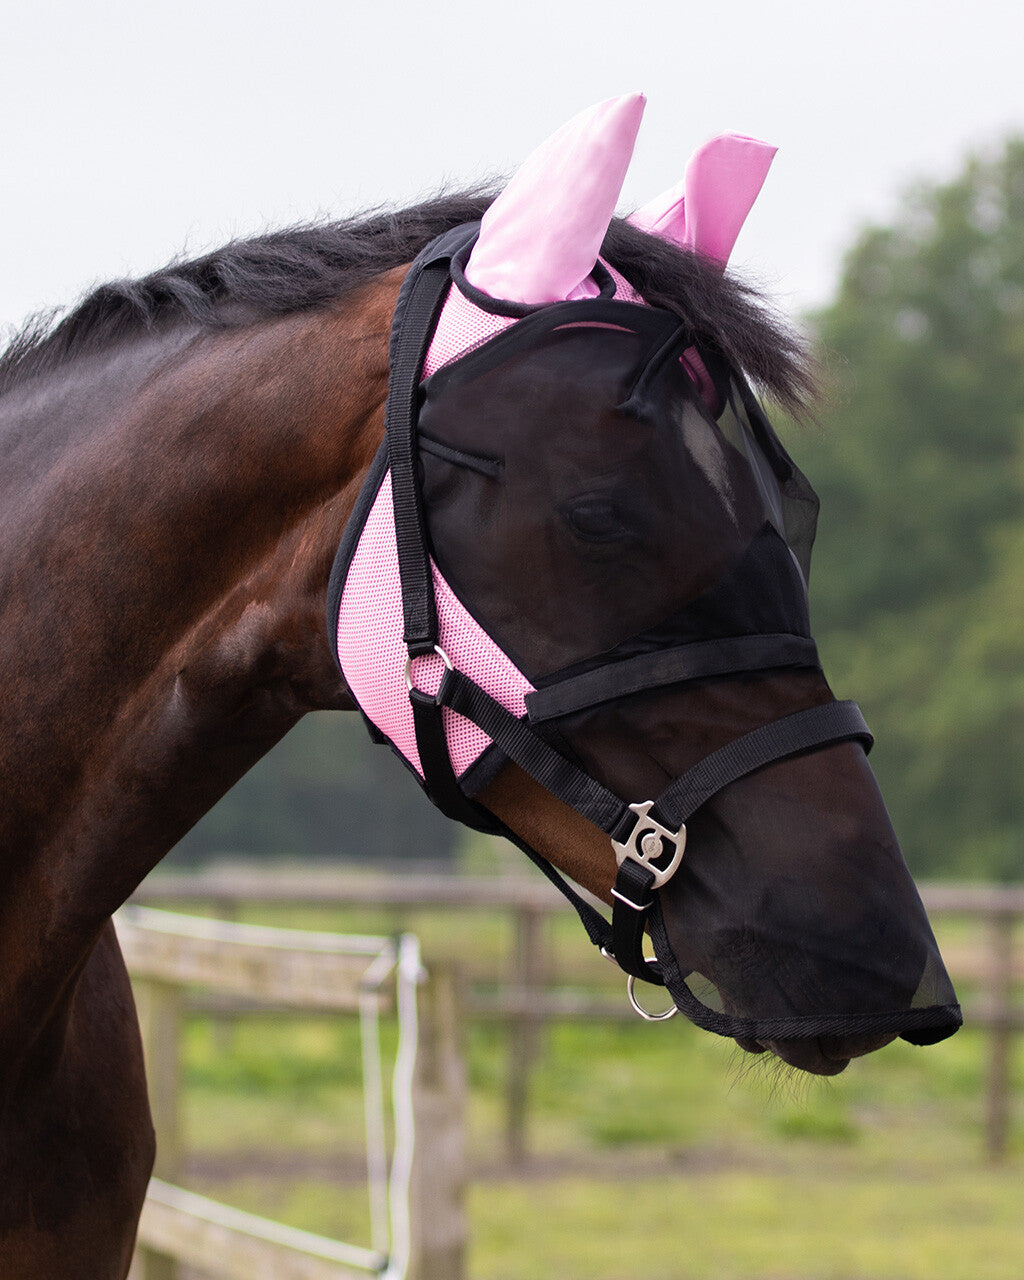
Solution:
(540, 238)
(706, 210)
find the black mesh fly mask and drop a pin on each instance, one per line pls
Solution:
(556, 479)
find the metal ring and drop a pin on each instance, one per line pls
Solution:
(638, 1007)
(408, 665)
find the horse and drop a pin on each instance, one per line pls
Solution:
(182, 456)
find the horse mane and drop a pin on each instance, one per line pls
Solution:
(312, 266)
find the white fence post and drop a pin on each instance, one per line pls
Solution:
(161, 1010)
(437, 1193)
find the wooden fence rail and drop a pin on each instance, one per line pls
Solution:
(417, 1222)
(995, 966)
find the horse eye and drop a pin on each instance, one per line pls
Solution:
(596, 520)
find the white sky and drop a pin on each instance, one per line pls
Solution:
(131, 131)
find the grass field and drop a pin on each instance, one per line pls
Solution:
(656, 1151)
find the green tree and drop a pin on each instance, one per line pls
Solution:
(918, 592)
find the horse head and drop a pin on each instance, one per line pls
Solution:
(587, 551)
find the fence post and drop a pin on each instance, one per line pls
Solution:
(1001, 977)
(437, 1189)
(160, 1006)
(224, 1029)
(523, 1024)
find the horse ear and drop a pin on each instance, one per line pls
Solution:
(540, 238)
(705, 211)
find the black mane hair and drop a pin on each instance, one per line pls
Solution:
(315, 265)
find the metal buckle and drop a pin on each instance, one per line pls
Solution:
(438, 652)
(647, 841)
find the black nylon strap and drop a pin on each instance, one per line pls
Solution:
(411, 340)
(634, 884)
(669, 666)
(597, 927)
(801, 731)
(432, 748)
(624, 938)
(449, 797)
(413, 326)
(533, 755)
(633, 895)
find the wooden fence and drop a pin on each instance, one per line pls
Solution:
(528, 997)
(996, 969)
(418, 1225)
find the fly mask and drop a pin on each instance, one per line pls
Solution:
(548, 418)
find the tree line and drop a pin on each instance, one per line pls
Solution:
(918, 584)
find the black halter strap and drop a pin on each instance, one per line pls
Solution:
(412, 328)
(648, 838)
(695, 661)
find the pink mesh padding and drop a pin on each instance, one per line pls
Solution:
(463, 326)
(624, 291)
(372, 654)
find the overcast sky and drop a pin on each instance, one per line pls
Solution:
(133, 131)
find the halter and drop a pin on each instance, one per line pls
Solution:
(648, 835)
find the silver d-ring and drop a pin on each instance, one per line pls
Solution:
(638, 1007)
(409, 660)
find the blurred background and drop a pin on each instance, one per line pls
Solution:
(891, 229)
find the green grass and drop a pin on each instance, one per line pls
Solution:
(735, 1169)
(748, 1225)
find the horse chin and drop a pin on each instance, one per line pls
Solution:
(826, 1056)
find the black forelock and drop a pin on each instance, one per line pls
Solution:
(311, 266)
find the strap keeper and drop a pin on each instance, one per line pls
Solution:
(629, 903)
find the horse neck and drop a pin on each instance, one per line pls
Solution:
(218, 460)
